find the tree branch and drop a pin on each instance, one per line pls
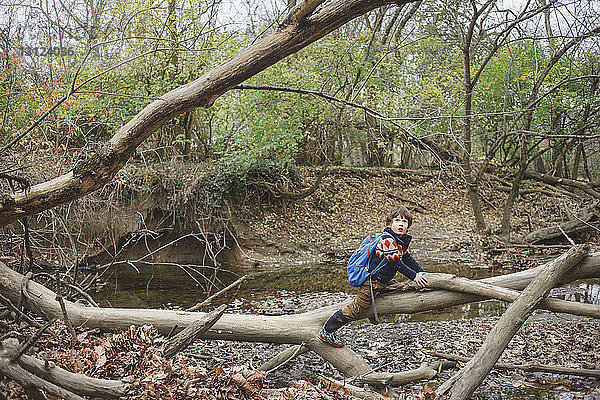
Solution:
(102, 166)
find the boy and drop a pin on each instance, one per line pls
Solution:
(393, 247)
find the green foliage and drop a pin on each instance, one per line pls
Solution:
(415, 77)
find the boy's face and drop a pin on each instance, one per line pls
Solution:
(399, 225)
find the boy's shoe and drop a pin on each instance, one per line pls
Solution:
(331, 338)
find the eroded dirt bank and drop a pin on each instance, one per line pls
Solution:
(352, 202)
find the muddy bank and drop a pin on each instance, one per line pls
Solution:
(267, 233)
(353, 202)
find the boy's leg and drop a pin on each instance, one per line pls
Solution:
(361, 303)
(356, 308)
(342, 317)
(328, 331)
(353, 311)
(336, 321)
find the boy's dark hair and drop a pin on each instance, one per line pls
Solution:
(401, 211)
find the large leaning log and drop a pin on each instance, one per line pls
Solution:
(285, 329)
(472, 374)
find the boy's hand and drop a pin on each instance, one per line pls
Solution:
(420, 279)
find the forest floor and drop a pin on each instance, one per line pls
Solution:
(353, 202)
(326, 227)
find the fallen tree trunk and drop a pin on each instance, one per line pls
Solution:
(76, 383)
(291, 329)
(460, 284)
(554, 233)
(551, 369)
(496, 341)
(588, 220)
(350, 387)
(553, 180)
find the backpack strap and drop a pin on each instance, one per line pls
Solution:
(383, 261)
(381, 264)
(373, 301)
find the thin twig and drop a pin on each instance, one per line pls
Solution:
(25, 294)
(70, 286)
(21, 350)
(220, 292)
(14, 308)
(60, 300)
(567, 236)
(586, 223)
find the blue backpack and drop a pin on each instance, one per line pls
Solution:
(358, 265)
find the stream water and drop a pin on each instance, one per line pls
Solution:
(171, 287)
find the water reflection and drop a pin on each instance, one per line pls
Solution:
(161, 288)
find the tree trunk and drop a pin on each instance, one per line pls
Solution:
(576, 160)
(581, 131)
(510, 203)
(552, 180)
(25, 378)
(525, 136)
(291, 329)
(76, 383)
(496, 341)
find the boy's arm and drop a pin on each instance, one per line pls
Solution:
(411, 262)
(414, 265)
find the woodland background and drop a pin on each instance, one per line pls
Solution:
(473, 104)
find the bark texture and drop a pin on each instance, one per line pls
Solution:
(292, 329)
(487, 290)
(481, 364)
